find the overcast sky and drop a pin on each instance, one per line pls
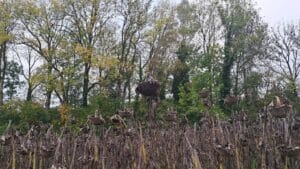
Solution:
(277, 11)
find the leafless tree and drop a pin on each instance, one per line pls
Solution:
(29, 61)
(285, 54)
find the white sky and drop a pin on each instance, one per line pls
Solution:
(277, 11)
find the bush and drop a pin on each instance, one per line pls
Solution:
(81, 114)
(163, 107)
(190, 104)
(140, 108)
(107, 105)
(33, 113)
(10, 111)
(25, 114)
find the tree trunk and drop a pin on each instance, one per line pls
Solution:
(137, 96)
(129, 91)
(152, 104)
(3, 65)
(162, 93)
(127, 87)
(49, 87)
(64, 91)
(226, 69)
(85, 84)
(124, 93)
(226, 78)
(48, 99)
(29, 93)
(236, 85)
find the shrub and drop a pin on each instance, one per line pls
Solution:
(107, 105)
(10, 111)
(24, 114)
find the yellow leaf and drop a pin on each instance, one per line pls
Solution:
(105, 62)
(84, 52)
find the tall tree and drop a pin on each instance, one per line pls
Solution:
(161, 41)
(65, 70)
(7, 24)
(242, 39)
(285, 54)
(41, 29)
(209, 34)
(186, 31)
(133, 15)
(29, 63)
(200, 28)
(86, 22)
(181, 70)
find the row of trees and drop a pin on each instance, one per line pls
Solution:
(72, 50)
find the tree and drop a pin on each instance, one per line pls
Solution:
(7, 24)
(200, 29)
(206, 62)
(133, 15)
(285, 55)
(28, 61)
(106, 63)
(86, 22)
(161, 41)
(12, 79)
(41, 29)
(181, 70)
(186, 32)
(65, 71)
(243, 35)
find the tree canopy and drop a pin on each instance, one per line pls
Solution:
(86, 53)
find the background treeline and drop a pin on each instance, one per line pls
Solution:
(82, 55)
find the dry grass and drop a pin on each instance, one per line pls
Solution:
(266, 143)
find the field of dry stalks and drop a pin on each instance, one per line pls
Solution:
(269, 142)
